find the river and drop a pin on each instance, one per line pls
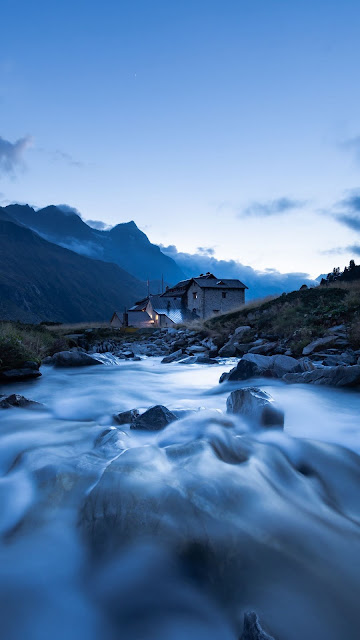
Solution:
(109, 533)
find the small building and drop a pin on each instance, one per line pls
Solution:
(200, 297)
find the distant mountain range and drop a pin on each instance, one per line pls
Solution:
(54, 266)
(42, 281)
(124, 244)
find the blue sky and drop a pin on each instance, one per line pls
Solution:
(230, 125)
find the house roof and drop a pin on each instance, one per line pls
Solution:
(171, 308)
(207, 281)
(139, 306)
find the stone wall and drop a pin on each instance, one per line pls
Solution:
(208, 301)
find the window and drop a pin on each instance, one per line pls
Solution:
(195, 295)
(215, 310)
(224, 294)
(194, 310)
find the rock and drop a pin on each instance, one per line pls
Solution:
(126, 417)
(264, 349)
(15, 400)
(128, 354)
(340, 328)
(317, 345)
(253, 365)
(73, 359)
(256, 406)
(198, 360)
(252, 629)
(154, 419)
(241, 331)
(17, 375)
(197, 348)
(331, 376)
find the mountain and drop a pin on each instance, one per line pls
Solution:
(42, 281)
(124, 244)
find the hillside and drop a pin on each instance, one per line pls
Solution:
(124, 244)
(42, 281)
(295, 318)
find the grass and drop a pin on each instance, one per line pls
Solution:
(20, 343)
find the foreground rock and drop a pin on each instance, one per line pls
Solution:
(15, 400)
(331, 376)
(126, 417)
(154, 419)
(252, 629)
(198, 360)
(256, 406)
(73, 359)
(253, 365)
(173, 357)
(28, 371)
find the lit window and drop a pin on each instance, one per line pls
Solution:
(224, 294)
(195, 295)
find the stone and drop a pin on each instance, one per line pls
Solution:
(264, 349)
(197, 348)
(253, 365)
(73, 359)
(126, 417)
(252, 629)
(317, 345)
(256, 406)
(15, 400)
(198, 360)
(128, 354)
(330, 376)
(17, 375)
(241, 331)
(154, 419)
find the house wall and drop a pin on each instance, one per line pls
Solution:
(213, 300)
(116, 321)
(198, 303)
(160, 320)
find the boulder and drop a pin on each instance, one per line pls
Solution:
(15, 400)
(126, 417)
(320, 343)
(330, 376)
(198, 360)
(154, 419)
(252, 629)
(253, 365)
(241, 331)
(265, 348)
(256, 406)
(74, 359)
(17, 375)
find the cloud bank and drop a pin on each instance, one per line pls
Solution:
(272, 207)
(11, 154)
(260, 283)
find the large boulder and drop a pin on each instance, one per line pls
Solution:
(252, 628)
(15, 400)
(253, 365)
(126, 417)
(256, 406)
(331, 376)
(320, 343)
(18, 375)
(74, 359)
(173, 357)
(154, 419)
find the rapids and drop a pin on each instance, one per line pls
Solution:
(111, 533)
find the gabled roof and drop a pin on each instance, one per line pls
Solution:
(139, 306)
(207, 281)
(171, 308)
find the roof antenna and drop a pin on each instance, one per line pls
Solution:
(162, 283)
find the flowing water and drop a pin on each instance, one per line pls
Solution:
(109, 533)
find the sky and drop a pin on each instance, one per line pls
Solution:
(233, 126)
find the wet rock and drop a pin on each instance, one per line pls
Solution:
(126, 417)
(317, 345)
(18, 375)
(74, 359)
(253, 365)
(15, 400)
(197, 348)
(256, 406)
(154, 419)
(198, 360)
(177, 355)
(330, 376)
(252, 629)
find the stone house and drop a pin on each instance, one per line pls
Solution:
(200, 297)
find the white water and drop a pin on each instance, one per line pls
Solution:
(112, 533)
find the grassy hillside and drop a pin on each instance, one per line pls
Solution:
(298, 317)
(42, 281)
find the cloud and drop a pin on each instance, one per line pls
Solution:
(98, 224)
(260, 283)
(272, 207)
(207, 251)
(11, 154)
(66, 157)
(68, 210)
(355, 249)
(352, 145)
(347, 211)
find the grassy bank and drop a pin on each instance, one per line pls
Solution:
(298, 317)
